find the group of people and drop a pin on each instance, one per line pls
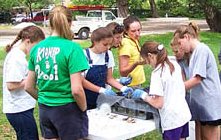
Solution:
(66, 80)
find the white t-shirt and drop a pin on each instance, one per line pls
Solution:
(15, 70)
(175, 111)
(99, 59)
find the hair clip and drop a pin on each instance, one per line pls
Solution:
(160, 47)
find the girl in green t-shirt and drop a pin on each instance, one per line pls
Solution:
(55, 66)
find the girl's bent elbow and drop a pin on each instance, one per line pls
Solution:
(27, 89)
(10, 89)
(77, 91)
(124, 74)
(158, 105)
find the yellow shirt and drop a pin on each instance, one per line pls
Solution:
(128, 47)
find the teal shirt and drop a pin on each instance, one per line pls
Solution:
(54, 60)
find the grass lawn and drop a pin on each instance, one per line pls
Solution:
(212, 39)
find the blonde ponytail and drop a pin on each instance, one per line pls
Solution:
(60, 20)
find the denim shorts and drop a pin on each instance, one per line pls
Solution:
(24, 125)
(66, 122)
(177, 133)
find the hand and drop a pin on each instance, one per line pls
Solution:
(126, 91)
(138, 93)
(107, 91)
(125, 80)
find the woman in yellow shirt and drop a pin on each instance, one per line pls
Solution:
(130, 62)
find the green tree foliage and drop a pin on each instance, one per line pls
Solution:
(182, 8)
(136, 7)
(194, 9)
(35, 4)
(6, 5)
(132, 4)
(171, 7)
(210, 9)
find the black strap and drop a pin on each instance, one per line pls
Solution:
(89, 57)
(106, 58)
(91, 61)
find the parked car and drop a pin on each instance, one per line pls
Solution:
(18, 18)
(38, 17)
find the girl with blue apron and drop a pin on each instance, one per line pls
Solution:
(97, 75)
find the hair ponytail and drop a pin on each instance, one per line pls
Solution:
(191, 29)
(157, 49)
(9, 46)
(60, 19)
(196, 29)
(33, 33)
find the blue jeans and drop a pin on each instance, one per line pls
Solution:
(24, 125)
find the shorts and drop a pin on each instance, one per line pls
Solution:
(66, 122)
(177, 133)
(212, 123)
(24, 125)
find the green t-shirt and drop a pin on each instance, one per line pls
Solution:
(54, 60)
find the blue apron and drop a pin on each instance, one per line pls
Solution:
(97, 74)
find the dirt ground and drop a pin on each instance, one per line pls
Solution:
(149, 26)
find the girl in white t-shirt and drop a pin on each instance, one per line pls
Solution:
(18, 105)
(167, 91)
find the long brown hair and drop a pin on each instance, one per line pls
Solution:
(130, 19)
(60, 19)
(33, 33)
(153, 48)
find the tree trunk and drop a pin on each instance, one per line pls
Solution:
(153, 9)
(30, 8)
(28, 3)
(122, 6)
(213, 17)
